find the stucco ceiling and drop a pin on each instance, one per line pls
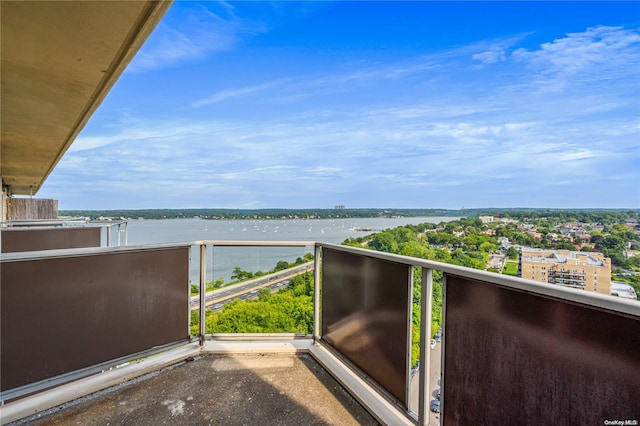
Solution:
(59, 61)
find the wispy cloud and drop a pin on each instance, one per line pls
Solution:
(299, 88)
(493, 51)
(199, 32)
(604, 46)
(171, 47)
(237, 93)
(139, 131)
(491, 56)
(599, 53)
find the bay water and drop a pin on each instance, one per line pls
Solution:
(221, 261)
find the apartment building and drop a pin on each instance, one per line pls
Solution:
(587, 271)
(486, 219)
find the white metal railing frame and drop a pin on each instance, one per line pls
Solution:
(202, 336)
(427, 266)
(73, 221)
(108, 225)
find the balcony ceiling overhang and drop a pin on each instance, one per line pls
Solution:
(59, 61)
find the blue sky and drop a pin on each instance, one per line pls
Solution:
(369, 104)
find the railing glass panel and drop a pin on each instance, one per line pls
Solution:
(256, 288)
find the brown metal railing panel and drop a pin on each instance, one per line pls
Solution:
(365, 315)
(64, 314)
(514, 357)
(19, 240)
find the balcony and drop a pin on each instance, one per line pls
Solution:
(103, 335)
(51, 234)
(568, 279)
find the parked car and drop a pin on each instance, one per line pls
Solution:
(435, 406)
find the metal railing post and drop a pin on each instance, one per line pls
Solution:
(203, 292)
(316, 293)
(409, 308)
(108, 229)
(426, 308)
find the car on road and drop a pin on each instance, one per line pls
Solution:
(435, 406)
(433, 343)
(439, 335)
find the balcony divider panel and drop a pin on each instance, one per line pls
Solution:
(516, 357)
(365, 315)
(34, 239)
(62, 314)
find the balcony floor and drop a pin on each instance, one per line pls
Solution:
(219, 389)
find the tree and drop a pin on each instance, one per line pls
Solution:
(212, 285)
(488, 247)
(613, 241)
(565, 245)
(384, 241)
(238, 274)
(282, 265)
(287, 311)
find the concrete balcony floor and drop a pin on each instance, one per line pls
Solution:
(213, 389)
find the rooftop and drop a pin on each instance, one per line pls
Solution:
(561, 257)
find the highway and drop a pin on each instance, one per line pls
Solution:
(249, 289)
(434, 385)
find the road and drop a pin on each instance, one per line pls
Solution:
(434, 385)
(249, 289)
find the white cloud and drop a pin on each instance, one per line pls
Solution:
(611, 50)
(237, 93)
(190, 34)
(171, 47)
(90, 142)
(491, 56)
(140, 131)
(580, 154)
(293, 89)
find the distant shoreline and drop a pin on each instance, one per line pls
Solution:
(248, 214)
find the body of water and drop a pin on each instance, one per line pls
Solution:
(222, 260)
